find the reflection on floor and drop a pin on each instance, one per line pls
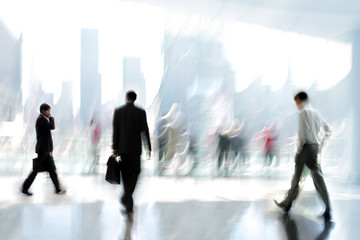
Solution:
(174, 208)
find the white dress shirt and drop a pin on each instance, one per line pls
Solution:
(312, 127)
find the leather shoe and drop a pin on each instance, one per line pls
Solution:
(26, 192)
(283, 206)
(60, 191)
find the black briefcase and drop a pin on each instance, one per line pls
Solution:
(42, 168)
(113, 170)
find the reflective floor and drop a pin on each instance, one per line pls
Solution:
(174, 208)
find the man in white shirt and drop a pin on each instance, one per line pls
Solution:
(312, 134)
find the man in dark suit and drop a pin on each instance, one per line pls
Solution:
(44, 147)
(129, 124)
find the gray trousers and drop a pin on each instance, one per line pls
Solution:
(308, 157)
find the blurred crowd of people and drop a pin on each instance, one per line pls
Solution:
(226, 149)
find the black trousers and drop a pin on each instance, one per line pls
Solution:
(130, 170)
(45, 159)
(308, 157)
(224, 147)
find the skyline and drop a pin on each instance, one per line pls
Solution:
(51, 48)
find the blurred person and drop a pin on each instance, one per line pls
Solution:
(238, 142)
(170, 129)
(95, 131)
(224, 144)
(310, 143)
(193, 148)
(129, 123)
(162, 139)
(224, 148)
(175, 129)
(44, 147)
(269, 136)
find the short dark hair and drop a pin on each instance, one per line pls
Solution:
(301, 96)
(44, 107)
(131, 95)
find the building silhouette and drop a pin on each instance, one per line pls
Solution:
(133, 78)
(10, 74)
(90, 80)
(64, 109)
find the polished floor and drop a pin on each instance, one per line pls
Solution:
(168, 208)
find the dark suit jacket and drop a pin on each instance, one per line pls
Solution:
(128, 124)
(43, 129)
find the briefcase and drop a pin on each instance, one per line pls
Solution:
(113, 170)
(42, 168)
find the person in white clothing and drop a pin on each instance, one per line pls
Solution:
(313, 132)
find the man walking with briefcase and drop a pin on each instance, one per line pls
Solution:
(128, 124)
(44, 147)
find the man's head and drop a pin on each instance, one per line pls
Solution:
(45, 109)
(131, 96)
(300, 98)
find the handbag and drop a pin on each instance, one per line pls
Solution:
(113, 171)
(42, 168)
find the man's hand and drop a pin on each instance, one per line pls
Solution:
(321, 146)
(318, 156)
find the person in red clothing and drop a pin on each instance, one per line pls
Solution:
(270, 136)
